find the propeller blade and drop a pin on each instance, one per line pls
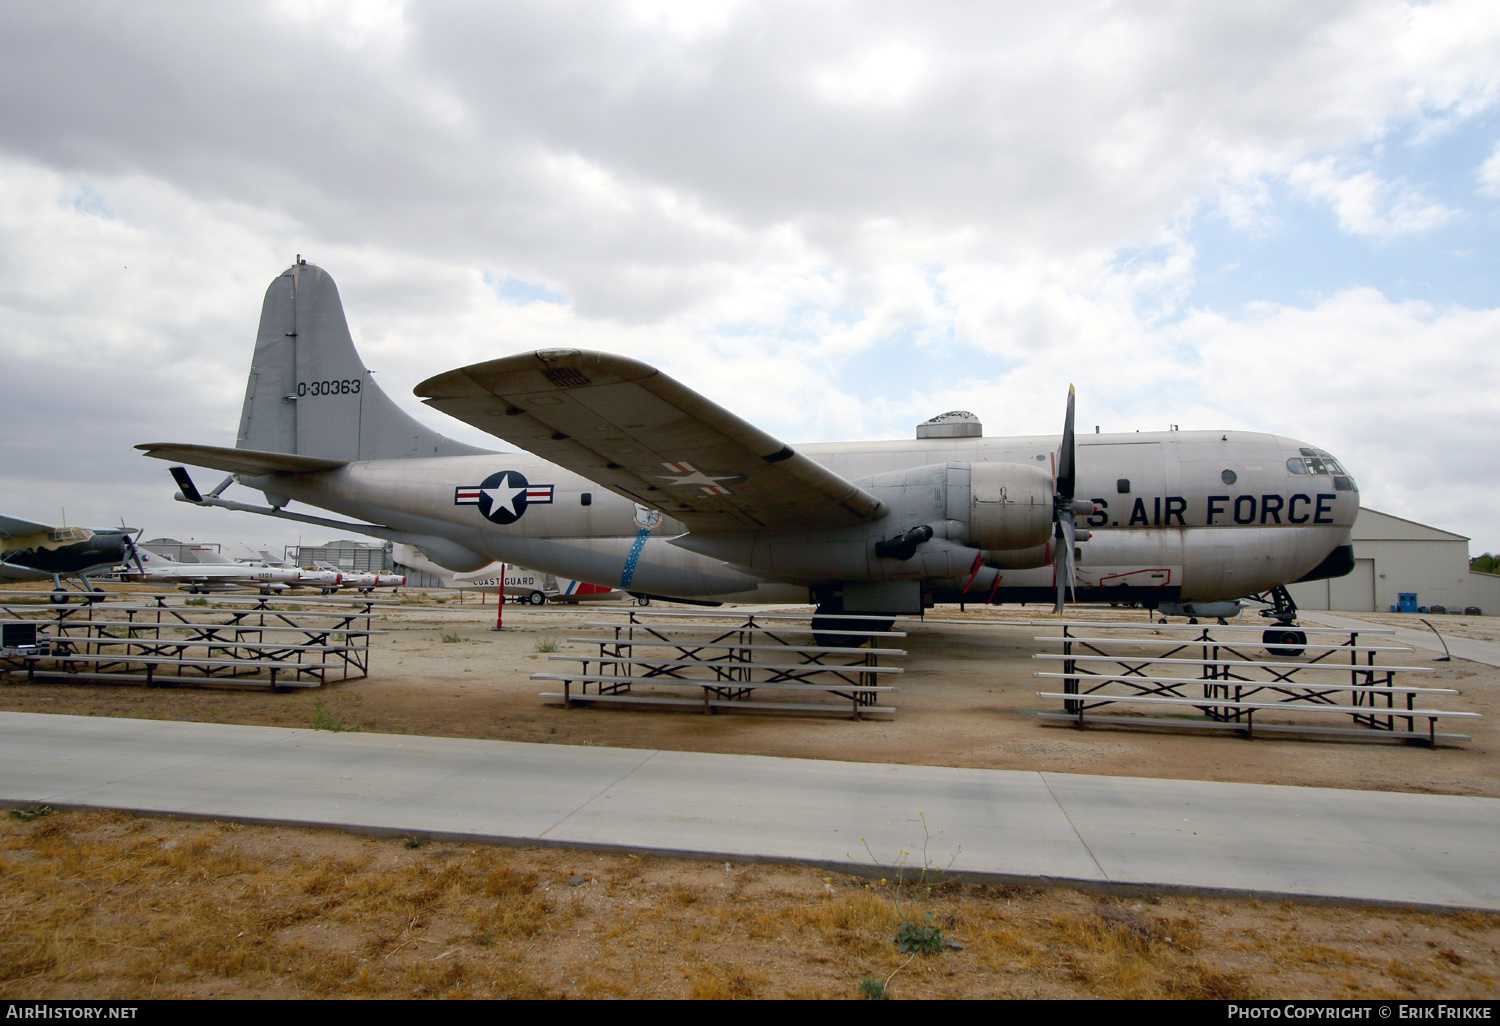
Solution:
(1066, 571)
(1065, 461)
(1066, 531)
(1070, 535)
(185, 483)
(135, 555)
(1059, 571)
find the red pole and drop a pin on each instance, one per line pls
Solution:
(500, 605)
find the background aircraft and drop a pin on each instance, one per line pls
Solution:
(637, 482)
(38, 552)
(154, 568)
(325, 580)
(519, 582)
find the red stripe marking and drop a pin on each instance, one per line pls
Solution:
(978, 562)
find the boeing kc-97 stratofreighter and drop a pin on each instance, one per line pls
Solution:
(632, 480)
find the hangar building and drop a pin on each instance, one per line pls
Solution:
(1393, 557)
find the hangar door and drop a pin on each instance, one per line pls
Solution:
(1355, 592)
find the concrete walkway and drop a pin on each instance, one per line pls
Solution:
(1486, 652)
(1116, 833)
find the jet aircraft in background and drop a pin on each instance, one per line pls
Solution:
(154, 568)
(330, 579)
(366, 581)
(632, 480)
(325, 580)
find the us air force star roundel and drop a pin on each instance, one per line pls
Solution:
(503, 497)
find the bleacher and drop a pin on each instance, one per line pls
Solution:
(734, 661)
(1243, 679)
(156, 639)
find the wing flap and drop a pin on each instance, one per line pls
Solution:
(646, 436)
(239, 461)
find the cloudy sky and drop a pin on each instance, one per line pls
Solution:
(836, 219)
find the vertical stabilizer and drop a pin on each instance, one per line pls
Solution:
(310, 394)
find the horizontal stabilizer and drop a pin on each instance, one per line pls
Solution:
(643, 435)
(239, 461)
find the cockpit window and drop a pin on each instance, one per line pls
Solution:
(68, 534)
(1314, 461)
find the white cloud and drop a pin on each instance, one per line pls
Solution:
(368, 25)
(1366, 205)
(837, 219)
(687, 19)
(881, 76)
(1489, 174)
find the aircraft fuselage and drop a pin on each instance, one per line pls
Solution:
(1191, 515)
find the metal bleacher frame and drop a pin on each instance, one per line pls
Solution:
(1232, 686)
(726, 660)
(238, 640)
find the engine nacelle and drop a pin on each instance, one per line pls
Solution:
(940, 518)
(1010, 511)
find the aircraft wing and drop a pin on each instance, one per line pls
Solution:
(16, 572)
(239, 461)
(15, 527)
(643, 435)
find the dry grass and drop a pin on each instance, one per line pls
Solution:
(105, 905)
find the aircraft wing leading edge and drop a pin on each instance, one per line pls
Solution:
(15, 527)
(649, 438)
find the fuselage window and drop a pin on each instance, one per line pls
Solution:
(586, 498)
(1123, 486)
(1296, 465)
(1229, 477)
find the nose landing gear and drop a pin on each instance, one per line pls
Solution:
(1290, 643)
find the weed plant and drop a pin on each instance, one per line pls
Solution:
(914, 936)
(547, 645)
(31, 812)
(323, 719)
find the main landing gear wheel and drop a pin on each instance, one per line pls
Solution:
(826, 627)
(643, 601)
(60, 598)
(536, 598)
(1281, 636)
